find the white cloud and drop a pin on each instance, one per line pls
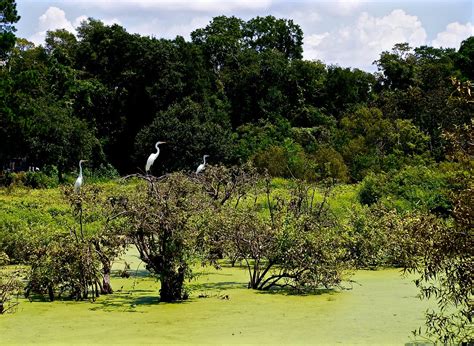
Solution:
(162, 29)
(180, 5)
(316, 39)
(310, 16)
(454, 34)
(359, 44)
(79, 20)
(311, 44)
(111, 21)
(55, 18)
(346, 7)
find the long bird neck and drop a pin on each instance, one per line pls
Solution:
(204, 159)
(80, 169)
(157, 149)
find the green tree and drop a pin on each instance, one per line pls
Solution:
(415, 84)
(330, 164)
(465, 58)
(62, 45)
(69, 139)
(192, 130)
(163, 224)
(295, 244)
(270, 33)
(345, 88)
(397, 68)
(221, 40)
(8, 16)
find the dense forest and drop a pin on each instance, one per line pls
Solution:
(238, 91)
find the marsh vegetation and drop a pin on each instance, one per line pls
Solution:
(315, 174)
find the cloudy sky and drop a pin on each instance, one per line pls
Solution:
(348, 33)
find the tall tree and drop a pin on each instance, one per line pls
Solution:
(465, 58)
(267, 33)
(8, 16)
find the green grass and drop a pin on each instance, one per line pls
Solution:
(381, 308)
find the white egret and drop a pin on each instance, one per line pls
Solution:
(153, 157)
(202, 165)
(79, 180)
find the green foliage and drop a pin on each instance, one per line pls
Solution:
(374, 143)
(103, 173)
(161, 221)
(288, 242)
(30, 217)
(375, 235)
(39, 180)
(62, 266)
(8, 16)
(345, 88)
(238, 88)
(10, 284)
(69, 139)
(371, 189)
(192, 130)
(257, 137)
(273, 160)
(417, 187)
(330, 164)
(465, 58)
(288, 160)
(78, 260)
(414, 84)
(441, 253)
(225, 37)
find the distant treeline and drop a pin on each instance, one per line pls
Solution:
(238, 91)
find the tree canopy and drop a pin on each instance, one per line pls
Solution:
(237, 89)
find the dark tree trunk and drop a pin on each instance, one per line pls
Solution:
(60, 175)
(106, 287)
(172, 283)
(2, 308)
(51, 293)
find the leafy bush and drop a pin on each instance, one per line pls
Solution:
(63, 265)
(39, 180)
(31, 179)
(291, 242)
(288, 161)
(330, 164)
(255, 138)
(9, 284)
(6, 178)
(371, 189)
(103, 173)
(416, 187)
(374, 236)
(77, 260)
(28, 217)
(273, 160)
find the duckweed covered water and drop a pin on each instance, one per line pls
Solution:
(382, 308)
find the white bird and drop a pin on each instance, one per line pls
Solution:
(152, 157)
(202, 165)
(79, 180)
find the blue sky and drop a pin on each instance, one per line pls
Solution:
(348, 33)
